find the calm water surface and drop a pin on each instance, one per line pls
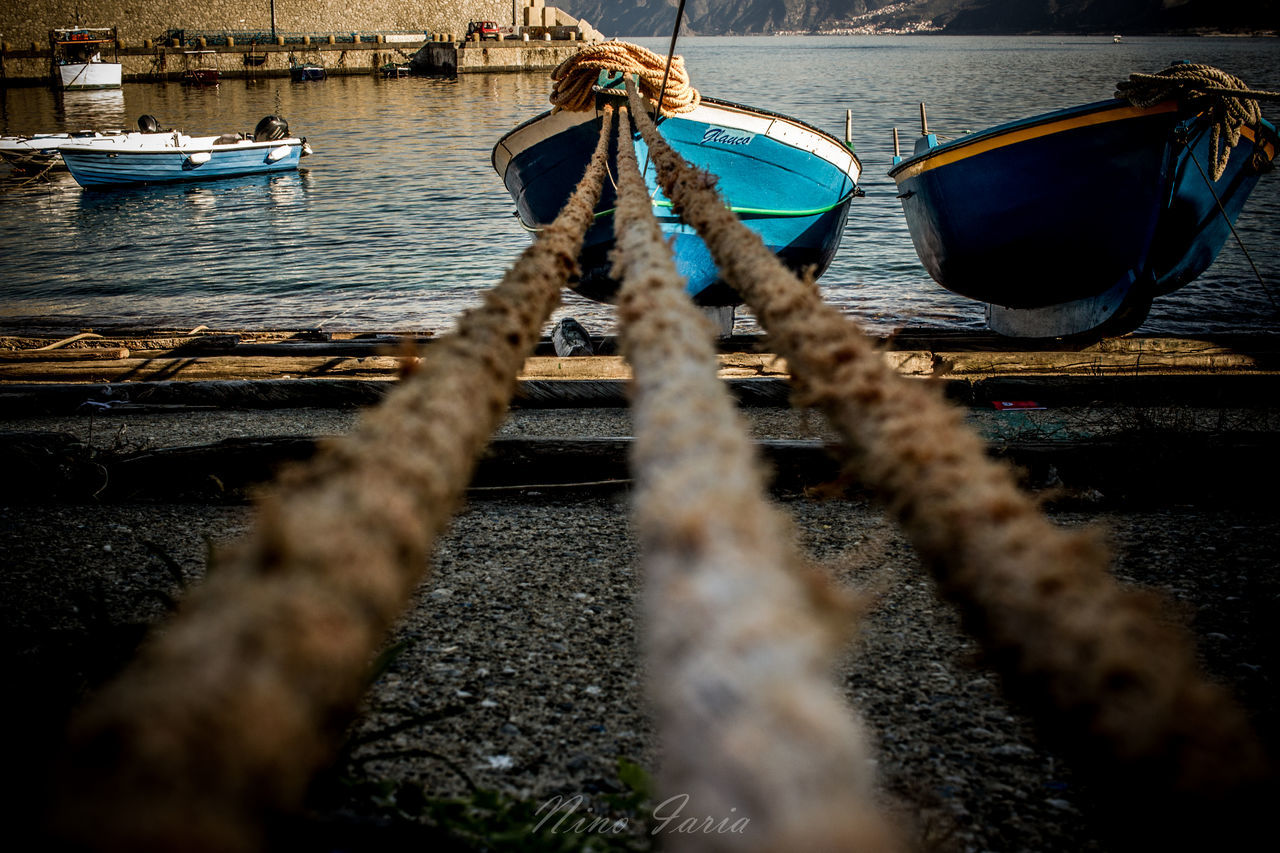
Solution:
(398, 221)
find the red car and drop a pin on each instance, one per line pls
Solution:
(486, 29)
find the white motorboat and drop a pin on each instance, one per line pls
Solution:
(78, 61)
(163, 157)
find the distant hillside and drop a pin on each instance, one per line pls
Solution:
(726, 17)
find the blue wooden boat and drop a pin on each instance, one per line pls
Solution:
(1070, 222)
(164, 157)
(789, 182)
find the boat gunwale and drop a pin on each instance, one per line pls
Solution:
(715, 102)
(95, 147)
(918, 163)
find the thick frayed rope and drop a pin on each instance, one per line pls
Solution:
(740, 641)
(1223, 99)
(576, 75)
(1093, 661)
(240, 698)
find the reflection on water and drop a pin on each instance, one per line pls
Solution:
(398, 220)
(93, 109)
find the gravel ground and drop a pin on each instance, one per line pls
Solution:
(515, 669)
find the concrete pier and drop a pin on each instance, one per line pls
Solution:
(450, 57)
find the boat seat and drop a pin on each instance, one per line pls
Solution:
(228, 139)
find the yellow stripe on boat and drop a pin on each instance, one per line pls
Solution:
(953, 153)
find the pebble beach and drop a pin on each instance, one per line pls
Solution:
(513, 683)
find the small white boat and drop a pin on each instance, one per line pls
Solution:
(145, 158)
(78, 62)
(41, 151)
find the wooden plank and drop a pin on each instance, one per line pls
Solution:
(201, 368)
(334, 367)
(344, 360)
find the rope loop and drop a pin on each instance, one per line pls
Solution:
(1225, 100)
(576, 75)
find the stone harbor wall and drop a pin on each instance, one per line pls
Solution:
(23, 22)
(153, 36)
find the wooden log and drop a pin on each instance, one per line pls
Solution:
(85, 354)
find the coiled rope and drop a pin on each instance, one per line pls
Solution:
(1227, 101)
(228, 711)
(574, 77)
(740, 642)
(1091, 660)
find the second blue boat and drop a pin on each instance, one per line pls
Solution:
(1071, 222)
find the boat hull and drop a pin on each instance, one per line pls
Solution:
(201, 77)
(105, 163)
(1070, 222)
(788, 182)
(76, 76)
(306, 73)
(1192, 228)
(1040, 213)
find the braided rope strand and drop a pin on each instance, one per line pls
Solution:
(1078, 650)
(740, 642)
(228, 711)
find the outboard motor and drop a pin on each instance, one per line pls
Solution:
(270, 128)
(148, 124)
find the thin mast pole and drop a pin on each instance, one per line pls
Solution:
(666, 72)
